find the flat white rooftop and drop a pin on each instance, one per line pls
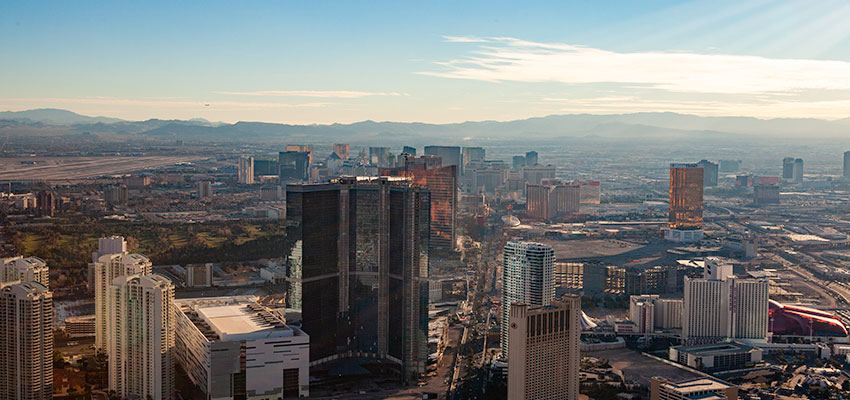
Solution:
(233, 319)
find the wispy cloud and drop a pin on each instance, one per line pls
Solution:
(336, 94)
(505, 59)
(113, 101)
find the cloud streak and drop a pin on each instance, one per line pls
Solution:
(335, 94)
(113, 101)
(504, 59)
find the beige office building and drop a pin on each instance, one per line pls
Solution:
(544, 351)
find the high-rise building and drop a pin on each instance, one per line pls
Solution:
(685, 218)
(342, 150)
(487, 179)
(531, 158)
(642, 313)
(471, 155)
(106, 269)
(449, 154)
(788, 168)
(141, 337)
(409, 150)
(528, 277)
(517, 163)
(245, 172)
(115, 195)
(710, 174)
(591, 192)
(668, 313)
(302, 148)
(380, 156)
(697, 388)
(729, 165)
(359, 261)
(105, 246)
(552, 201)
(797, 175)
(26, 340)
(294, 166)
(544, 356)
(720, 306)
(765, 194)
(204, 189)
(24, 270)
(535, 174)
(45, 203)
(266, 167)
(232, 348)
(442, 182)
(847, 164)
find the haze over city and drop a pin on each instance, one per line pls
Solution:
(425, 200)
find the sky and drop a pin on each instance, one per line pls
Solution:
(436, 61)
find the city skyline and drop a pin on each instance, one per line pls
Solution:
(330, 63)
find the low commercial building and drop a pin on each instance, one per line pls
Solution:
(692, 389)
(717, 356)
(80, 326)
(232, 347)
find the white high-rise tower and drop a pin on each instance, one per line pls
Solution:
(106, 269)
(528, 277)
(141, 337)
(26, 341)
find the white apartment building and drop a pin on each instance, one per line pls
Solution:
(543, 363)
(22, 269)
(106, 269)
(214, 334)
(642, 313)
(668, 313)
(528, 277)
(721, 306)
(26, 341)
(141, 337)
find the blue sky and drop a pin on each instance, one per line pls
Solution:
(323, 62)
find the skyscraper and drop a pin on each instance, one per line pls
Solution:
(294, 166)
(471, 155)
(449, 154)
(531, 158)
(847, 164)
(141, 337)
(26, 340)
(517, 163)
(45, 203)
(721, 306)
(106, 269)
(24, 270)
(788, 168)
(709, 173)
(685, 218)
(544, 356)
(409, 150)
(379, 156)
(442, 182)
(797, 173)
(246, 170)
(528, 277)
(535, 174)
(360, 248)
(552, 201)
(204, 189)
(342, 150)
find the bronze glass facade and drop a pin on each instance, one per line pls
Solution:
(686, 184)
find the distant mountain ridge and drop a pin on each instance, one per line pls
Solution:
(636, 125)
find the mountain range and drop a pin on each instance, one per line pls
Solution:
(650, 125)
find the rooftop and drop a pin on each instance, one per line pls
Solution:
(235, 318)
(699, 385)
(714, 349)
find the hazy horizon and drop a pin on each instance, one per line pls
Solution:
(431, 63)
